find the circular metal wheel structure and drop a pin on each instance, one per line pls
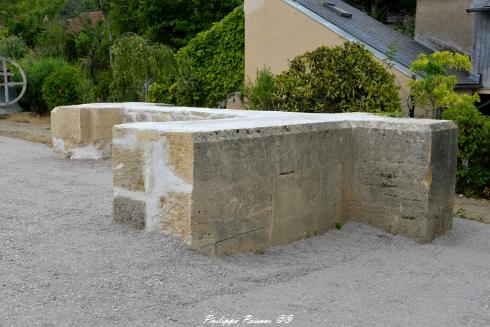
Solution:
(5, 82)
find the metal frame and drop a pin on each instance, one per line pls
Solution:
(5, 75)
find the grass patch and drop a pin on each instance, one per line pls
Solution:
(461, 213)
(28, 118)
(27, 126)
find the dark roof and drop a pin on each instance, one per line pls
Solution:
(479, 5)
(376, 34)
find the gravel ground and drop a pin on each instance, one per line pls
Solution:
(63, 263)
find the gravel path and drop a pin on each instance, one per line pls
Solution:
(63, 263)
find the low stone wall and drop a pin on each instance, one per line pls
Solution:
(229, 181)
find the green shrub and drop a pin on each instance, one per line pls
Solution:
(339, 79)
(259, 95)
(37, 69)
(14, 47)
(137, 65)
(473, 176)
(161, 93)
(212, 65)
(67, 86)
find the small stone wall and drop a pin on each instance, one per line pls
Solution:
(229, 181)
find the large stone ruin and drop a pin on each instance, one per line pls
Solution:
(229, 181)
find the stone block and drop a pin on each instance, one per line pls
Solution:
(175, 215)
(128, 167)
(181, 155)
(96, 125)
(128, 211)
(224, 210)
(394, 182)
(65, 129)
(80, 132)
(306, 203)
(236, 159)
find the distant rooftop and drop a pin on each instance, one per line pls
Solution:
(479, 5)
(377, 35)
(81, 22)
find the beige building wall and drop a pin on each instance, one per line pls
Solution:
(444, 24)
(275, 33)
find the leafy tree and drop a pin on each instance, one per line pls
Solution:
(171, 22)
(96, 35)
(436, 89)
(137, 64)
(52, 40)
(27, 18)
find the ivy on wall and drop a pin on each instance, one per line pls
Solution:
(210, 67)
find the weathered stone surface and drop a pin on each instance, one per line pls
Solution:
(84, 132)
(175, 213)
(222, 210)
(129, 211)
(96, 125)
(128, 168)
(234, 181)
(443, 179)
(306, 203)
(65, 128)
(181, 155)
(402, 178)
